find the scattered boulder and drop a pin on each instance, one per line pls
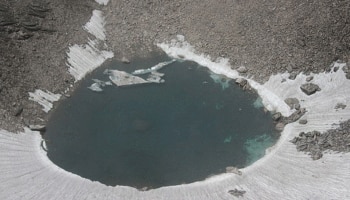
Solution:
(237, 193)
(233, 170)
(316, 143)
(303, 121)
(242, 69)
(309, 78)
(276, 116)
(310, 88)
(292, 103)
(340, 105)
(293, 75)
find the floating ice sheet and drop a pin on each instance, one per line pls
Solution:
(153, 69)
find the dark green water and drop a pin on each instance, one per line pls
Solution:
(154, 135)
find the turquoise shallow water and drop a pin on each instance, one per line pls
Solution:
(154, 135)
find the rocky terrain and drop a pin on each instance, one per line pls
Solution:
(315, 143)
(266, 37)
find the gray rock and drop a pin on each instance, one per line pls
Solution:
(125, 60)
(276, 116)
(303, 121)
(237, 193)
(279, 126)
(317, 155)
(340, 105)
(310, 88)
(243, 83)
(292, 76)
(37, 127)
(242, 69)
(292, 103)
(308, 79)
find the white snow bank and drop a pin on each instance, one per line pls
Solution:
(44, 98)
(82, 59)
(96, 25)
(102, 2)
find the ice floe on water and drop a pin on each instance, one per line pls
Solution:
(154, 68)
(98, 85)
(45, 99)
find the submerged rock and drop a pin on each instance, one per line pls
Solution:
(125, 60)
(310, 88)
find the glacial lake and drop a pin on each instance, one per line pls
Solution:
(184, 130)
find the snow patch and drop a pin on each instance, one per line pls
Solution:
(44, 98)
(96, 25)
(82, 59)
(102, 2)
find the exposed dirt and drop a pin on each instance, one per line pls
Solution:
(265, 36)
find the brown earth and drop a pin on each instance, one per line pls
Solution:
(265, 36)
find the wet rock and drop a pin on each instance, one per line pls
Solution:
(276, 116)
(292, 103)
(310, 88)
(233, 170)
(303, 121)
(242, 69)
(125, 60)
(40, 128)
(279, 126)
(243, 83)
(237, 193)
(309, 78)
